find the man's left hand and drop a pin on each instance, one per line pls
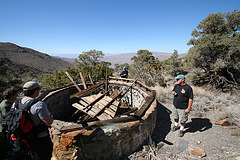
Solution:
(187, 110)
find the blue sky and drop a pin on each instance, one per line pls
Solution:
(70, 27)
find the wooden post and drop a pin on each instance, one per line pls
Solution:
(131, 96)
(84, 84)
(106, 87)
(75, 84)
(90, 78)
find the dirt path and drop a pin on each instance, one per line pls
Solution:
(218, 142)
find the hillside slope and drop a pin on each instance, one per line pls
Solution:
(31, 58)
(19, 69)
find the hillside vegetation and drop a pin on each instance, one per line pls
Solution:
(20, 64)
(31, 58)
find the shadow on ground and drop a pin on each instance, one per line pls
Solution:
(198, 124)
(163, 124)
(162, 128)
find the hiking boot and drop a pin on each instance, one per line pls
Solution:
(175, 128)
(181, 133)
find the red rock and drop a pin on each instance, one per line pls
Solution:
(224, 122)
(197, 151)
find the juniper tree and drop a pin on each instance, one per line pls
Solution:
(216, 50)
(173, 65)
(145, 67)
(87, 63)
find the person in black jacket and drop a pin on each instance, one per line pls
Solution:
(182, 103)
(124, 73)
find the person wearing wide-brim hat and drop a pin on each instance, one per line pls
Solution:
(182, 103)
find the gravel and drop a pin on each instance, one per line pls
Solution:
(218, 142)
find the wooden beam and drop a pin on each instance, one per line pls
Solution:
(118, 95)
(84, 84)
(139, 113)
(130, 86)
(90, 78)
(107, 104)
(127, 79)
(128, 112)
(106, 87)
(75, 84)
(97, 99)
(127, 107)
(72, 127)
(118, 78)
(87, 91)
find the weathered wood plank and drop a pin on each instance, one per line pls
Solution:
(91, 113)
(108, 98)
(84, 84)
(78, 106)
(95, 109)
(90, 78)
(112, 95)
(84, 103)
(85, 110)
(113, 107)
(104, 116)
(99, 105)
(87, 99)
(128, 107)
(97, 98)
(87, 91)
(109, 111)
(72, 127)
(104, 101)
(146, 105)
(75, 84)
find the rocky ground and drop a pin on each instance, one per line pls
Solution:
(203, 139)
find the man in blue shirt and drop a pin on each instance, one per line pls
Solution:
(124, 73)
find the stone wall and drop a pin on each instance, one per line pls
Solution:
(59, 102)
(106, 142)
(103, 142)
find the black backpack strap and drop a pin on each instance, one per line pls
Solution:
(31, 103)
(26, 106)
(17, 101)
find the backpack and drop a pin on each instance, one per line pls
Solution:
(18, 128)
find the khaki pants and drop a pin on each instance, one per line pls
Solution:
(179, 114)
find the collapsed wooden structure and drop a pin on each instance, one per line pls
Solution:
(89, 111)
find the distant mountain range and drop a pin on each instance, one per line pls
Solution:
(24, 59)
(30, 60)
(124, 57)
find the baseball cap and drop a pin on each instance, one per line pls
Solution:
(180, 76)
(31, 85)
